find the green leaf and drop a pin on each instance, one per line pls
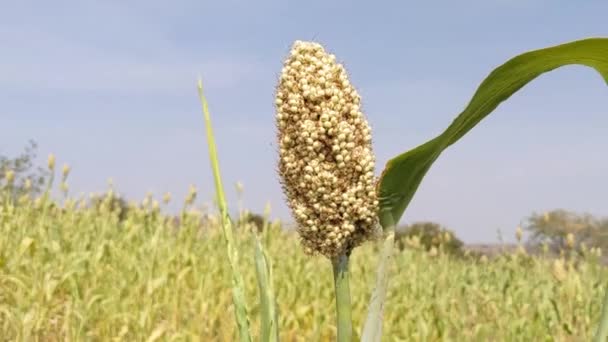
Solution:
(269, 323)
(403, 174)
(238, 292)
(372, 329)
(268, 315)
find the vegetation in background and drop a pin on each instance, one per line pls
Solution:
(54, 286)
(77, 272)
(428, 236)
(554, 227)
(27, 178)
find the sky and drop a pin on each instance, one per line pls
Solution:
(109, 87)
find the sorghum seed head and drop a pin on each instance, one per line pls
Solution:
(191, 195)
(64, 186)
(9, 175)
(65, 171)
(519, 233)
(559, 270)
(167, 198)
(447, 237)
(326, 161)
(239, 188)
(570, 241)
(51, 162)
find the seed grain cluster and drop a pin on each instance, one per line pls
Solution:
(326, 162)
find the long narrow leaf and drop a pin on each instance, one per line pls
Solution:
(372, 330)
(269, 330)
(403, 174)
(238, 295)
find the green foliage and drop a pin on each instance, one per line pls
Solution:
(429, 235)
(554, 226)
(77, 274)
(403, 174)
(253, 219)
(24, 168)
(238, 295)
(111, 202)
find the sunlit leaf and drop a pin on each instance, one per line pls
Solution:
(403, 174)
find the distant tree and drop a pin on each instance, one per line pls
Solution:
(430, 234)
(554, 226)
(115, 204)
(25, 171)
(256, 220)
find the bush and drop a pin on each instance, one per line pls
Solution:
(429, 235)
(114, 203)
(256, 220)
(24, 169)
(554, 226)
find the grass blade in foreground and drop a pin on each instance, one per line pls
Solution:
(372, 330)
(263, 270)
(602, 330)
(403, 174)
(238, 295)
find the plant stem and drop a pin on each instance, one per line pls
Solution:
(238, 293)
(602, 330)
(343, 308)
(372, 330)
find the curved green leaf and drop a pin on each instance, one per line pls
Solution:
(403, 174)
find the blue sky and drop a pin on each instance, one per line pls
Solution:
(109, 87)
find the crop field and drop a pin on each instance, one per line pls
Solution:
(355, 121)
(74, 272)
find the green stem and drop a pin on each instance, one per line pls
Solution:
(238, 292)
(343, 308)
(602, 330)
(372, 330)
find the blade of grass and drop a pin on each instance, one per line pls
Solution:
(263, 269)
(238, 295)
(372, 330)
(602, 330)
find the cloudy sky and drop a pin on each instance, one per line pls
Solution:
(109, 87)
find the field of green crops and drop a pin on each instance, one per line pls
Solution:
(69, 272)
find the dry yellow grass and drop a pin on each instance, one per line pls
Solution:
(80, 274)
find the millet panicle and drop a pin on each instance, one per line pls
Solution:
(326, 161)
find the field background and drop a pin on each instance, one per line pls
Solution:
(74, 272)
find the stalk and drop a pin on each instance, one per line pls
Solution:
(269, 330)
(238, 295)
(372, 330)
(343, 307)
(602, 330)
